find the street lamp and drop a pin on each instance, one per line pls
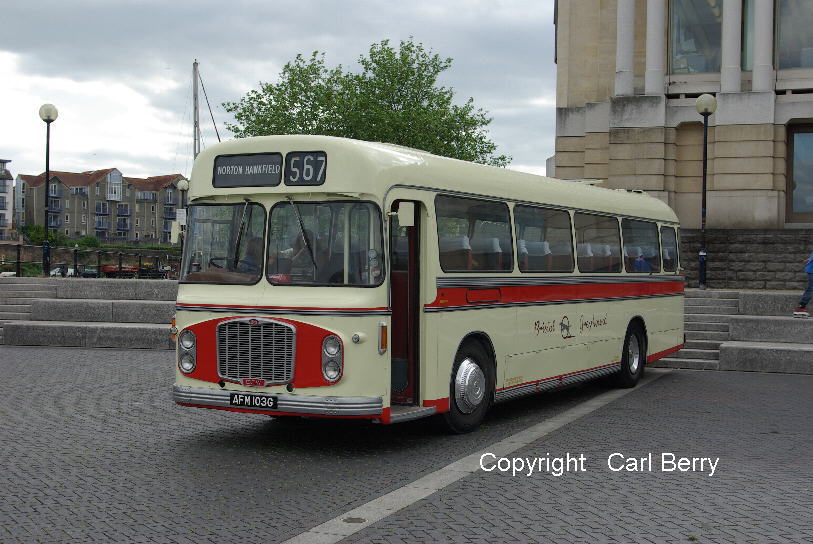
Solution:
(48, 113)
(705, 104)
(183, 187)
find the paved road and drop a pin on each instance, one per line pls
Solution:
(92, 449)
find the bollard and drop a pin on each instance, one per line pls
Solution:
(18, 268)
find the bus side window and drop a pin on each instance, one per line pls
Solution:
(669, 249)
(473, 235)
(598, 243)
(544, 241)
(641, 249)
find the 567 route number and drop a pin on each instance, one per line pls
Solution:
(305, 168)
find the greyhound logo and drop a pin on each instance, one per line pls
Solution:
(564, 328)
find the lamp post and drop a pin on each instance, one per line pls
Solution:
(183, 187)
(705, 104)
(48, 113)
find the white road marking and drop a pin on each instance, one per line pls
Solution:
(336, 529)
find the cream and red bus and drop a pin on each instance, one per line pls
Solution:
(338, 278)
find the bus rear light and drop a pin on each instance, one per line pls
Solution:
(382, 337)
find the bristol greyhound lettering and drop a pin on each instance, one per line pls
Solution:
(564, 328)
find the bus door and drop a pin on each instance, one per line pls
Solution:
(405, 300)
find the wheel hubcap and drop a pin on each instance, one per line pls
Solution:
(469, 386)
(633, 354)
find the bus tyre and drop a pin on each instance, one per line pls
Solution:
(471, 390)
(633, 357)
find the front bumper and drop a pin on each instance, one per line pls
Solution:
(286, 404)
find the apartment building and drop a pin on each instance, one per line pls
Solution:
(102, 203)
(628, 75)
(6, 201)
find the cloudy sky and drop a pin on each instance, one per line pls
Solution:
(120, 71)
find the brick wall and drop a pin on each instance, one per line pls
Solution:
(748, 258)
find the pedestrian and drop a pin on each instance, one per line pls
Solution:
(801, 309)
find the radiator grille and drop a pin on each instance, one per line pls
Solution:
(256, 348)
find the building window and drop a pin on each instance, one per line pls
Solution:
(98, 189)
(747, 46)
(152, 222)
(137, 221)
(137, 235)
(84, 219)
(67, 219)
(800, 174)
(53, 189)
(67, 203)
(152, 209)
(795, 40)
(694, 36)
(84, 204)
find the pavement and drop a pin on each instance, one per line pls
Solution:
(92, 449)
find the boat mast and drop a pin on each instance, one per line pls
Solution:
(195, 116)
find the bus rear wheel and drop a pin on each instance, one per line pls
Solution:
(471, 389)
(633, 357)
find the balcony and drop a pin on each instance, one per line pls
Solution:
(55, 209)
(102, 211)
(54, 222)
(3, 223)
(123, 227)
(146, 196)
(102, 225)
(123, 213)
(169, 214)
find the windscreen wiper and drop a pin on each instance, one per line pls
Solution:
(302, 231)
(240, 235)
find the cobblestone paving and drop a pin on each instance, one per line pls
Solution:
(92, 449)
(760, 425)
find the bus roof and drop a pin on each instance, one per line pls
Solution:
(370, 169)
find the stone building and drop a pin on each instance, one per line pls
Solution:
(628, 74)
(103, 203)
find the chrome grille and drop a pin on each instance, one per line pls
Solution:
(256, 348)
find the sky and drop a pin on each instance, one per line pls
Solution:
(119, 72)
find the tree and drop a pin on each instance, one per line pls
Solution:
(395, 99)
(35, 235)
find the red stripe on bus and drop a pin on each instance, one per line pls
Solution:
(661, 354)
(274, 413)
(559, 376)
(187, 305)
(508, 294)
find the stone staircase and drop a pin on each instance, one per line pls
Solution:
(85, 312)
(743, 330)
(18, 294)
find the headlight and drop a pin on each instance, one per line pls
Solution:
(332, 346)
(186, 363)
(187, 339)
(331, 369)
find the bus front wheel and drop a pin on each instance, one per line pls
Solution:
(471, 390)
(633, 357)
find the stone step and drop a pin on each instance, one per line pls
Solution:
(716, 310)
(701, 326)
(769, 303)
(14, 308)
(710, 293)
(10, 287)
(787, 358)
(108, 311)
(21, 316)
(28, 294)
(704, 344)
(700, 354)
(749, 328)
(720, 336)
(714, 302)
(12, 300)
(691, 364)
(707, 318)
(89, 335)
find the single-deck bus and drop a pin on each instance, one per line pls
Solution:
(337, 278)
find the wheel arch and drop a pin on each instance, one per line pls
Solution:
(638, 320)
(484, 340)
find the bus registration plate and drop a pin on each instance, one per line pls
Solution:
(246, 400)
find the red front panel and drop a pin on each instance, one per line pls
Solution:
(307, 367)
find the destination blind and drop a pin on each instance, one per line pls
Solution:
(254, 170)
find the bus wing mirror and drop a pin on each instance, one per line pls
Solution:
(406, 214)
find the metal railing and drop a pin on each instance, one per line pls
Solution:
(93, 263)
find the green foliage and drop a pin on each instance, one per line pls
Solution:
(395, 99)
(88, 241)
(35, 235)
